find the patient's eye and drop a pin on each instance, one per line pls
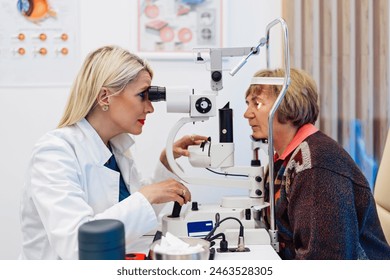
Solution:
(258, 102)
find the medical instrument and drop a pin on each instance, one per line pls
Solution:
(201, 106)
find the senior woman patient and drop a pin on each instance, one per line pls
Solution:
(84, 171)
(324, 208)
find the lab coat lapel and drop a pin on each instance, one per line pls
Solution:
(121, 145)
(102, 180)
(109, 187)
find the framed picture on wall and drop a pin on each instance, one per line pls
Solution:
(39, 41)
(172, 28)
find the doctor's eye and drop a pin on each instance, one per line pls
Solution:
(143, 95)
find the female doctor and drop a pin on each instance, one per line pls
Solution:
(83, 170)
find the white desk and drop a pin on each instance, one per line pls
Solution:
(257, 252)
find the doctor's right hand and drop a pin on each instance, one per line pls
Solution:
(166, 191)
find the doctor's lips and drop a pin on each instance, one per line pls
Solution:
(142, 121)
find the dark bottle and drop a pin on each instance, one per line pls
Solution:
(102, 240)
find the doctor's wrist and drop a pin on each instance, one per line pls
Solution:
(164, 160)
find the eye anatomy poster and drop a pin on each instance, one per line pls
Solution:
(39, 44)
(179, 25)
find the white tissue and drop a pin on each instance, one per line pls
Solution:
(172, 245)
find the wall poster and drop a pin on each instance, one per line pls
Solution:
(178, 26)
(39, 44)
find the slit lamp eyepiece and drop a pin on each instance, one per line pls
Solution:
(156, 93)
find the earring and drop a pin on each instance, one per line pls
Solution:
(105, 108)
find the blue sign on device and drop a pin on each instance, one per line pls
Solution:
(199, 229)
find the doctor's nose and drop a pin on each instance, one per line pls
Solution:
(149, 107)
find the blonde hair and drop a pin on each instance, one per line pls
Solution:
(300, 103)
(111, 67)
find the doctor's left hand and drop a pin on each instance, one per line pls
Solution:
(180, 147)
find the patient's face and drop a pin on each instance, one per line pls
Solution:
(259, 102)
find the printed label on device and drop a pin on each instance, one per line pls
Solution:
(199, 229)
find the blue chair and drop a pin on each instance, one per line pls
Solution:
(357, 150)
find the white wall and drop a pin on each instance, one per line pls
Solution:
(27, 113)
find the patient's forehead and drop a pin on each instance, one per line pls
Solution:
(259, 90)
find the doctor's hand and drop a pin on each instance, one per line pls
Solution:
(166, 191)
(180, 147)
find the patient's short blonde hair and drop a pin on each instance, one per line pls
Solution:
(300, 103)
(111, 67)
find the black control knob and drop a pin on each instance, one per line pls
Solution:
(203, 105)
(258, 192)
(258, 179)
(216, 76)
(194, 206)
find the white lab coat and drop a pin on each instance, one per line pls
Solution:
(67, 185)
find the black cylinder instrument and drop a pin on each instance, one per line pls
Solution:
(226, 124)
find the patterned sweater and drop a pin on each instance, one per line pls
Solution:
(324, 208)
